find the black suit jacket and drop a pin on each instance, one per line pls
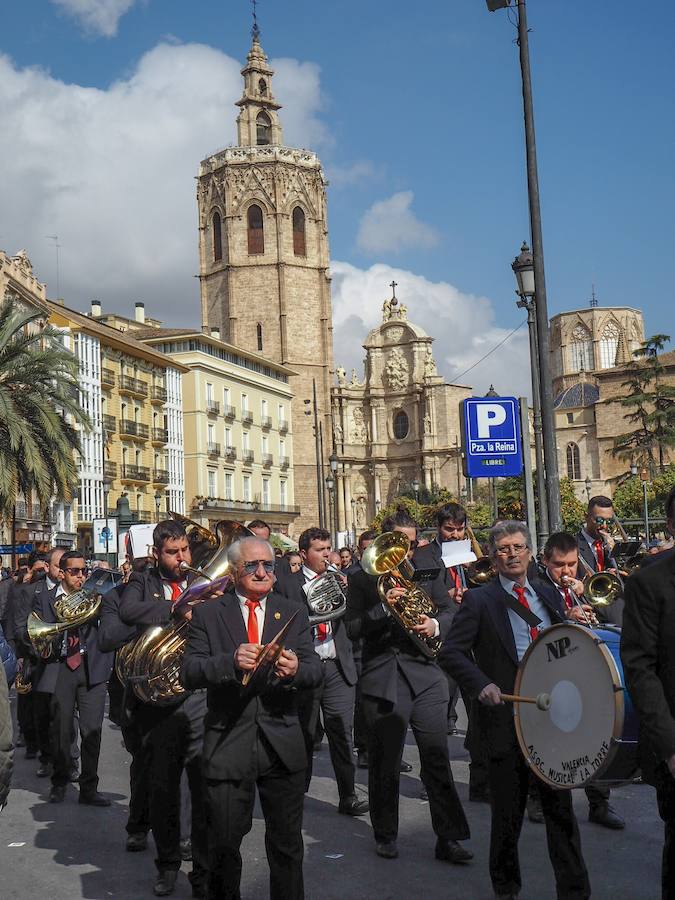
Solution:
(652, 558)
(386, 648)
(613, 613)
(236, 713)
(98, 664)
(143, 601)
(648, 655)
(291, 587)
(113, 633)
(479, 650)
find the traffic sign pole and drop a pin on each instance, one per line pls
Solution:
(527, 469)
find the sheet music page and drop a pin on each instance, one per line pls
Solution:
(456, 553)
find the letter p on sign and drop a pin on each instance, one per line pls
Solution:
(489, 415)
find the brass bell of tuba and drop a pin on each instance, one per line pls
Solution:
(72, 610)
(387, 557)
(151, 664)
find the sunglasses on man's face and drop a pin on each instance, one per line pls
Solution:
(600, 520)
(250, 568)
(76, 570)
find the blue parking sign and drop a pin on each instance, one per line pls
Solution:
(491, 432)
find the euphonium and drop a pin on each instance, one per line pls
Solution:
(150, 665)
(203, 543)
(387, 557)
(72, 610)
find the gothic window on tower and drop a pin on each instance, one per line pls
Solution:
(609, 344)
(259, 336)
(256, 235)
(262, 87)
(573, 462)
(217, 237)
(401, 425)
(263, 129)
(581, 350)
(299, 245)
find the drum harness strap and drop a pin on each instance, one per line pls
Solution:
(525, 614)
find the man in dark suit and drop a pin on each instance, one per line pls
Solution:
(401, 686)
(488, 637)
(335, 696)
(253, 735)
(596, 546)
(648, 660)
(76, 676)
(172, 735)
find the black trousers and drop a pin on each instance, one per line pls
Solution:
(25, 716)
(41, 704)
(478, 761)
(335, 698)
(665, 796)
(172, 738)
(509, 778)
(138, 821)
(72, 692)
(229, 814)
(360, 727)
(387, 726)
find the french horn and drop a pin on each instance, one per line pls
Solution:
(326, 598)
(387, 557)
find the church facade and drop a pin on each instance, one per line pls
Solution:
(400, 425)
(264, 262)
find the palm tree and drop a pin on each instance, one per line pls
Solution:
(39, 411)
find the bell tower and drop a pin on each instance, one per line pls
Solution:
(264, 261)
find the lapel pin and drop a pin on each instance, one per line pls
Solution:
(155, 595)
(277, 615)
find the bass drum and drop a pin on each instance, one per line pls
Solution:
(589, 733)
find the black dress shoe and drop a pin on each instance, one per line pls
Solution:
(44, 770)
(452, 851)
(353, 806)
(74, 775)
(57, 793)
(405, 766)
(387, 849)
(137, 842)
(186, 850)
(94, 799)
(605, 815)
(166, 882)
(362, 759)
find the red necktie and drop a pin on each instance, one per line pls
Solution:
(252, 625)
(569, 603)
(522, 599)
(73, 655)
(457, 579)
(600, 554)
(322, 631)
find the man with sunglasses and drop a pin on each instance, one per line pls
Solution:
(488, 638)
(76, 676)
(253, 737)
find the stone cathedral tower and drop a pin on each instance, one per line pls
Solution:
(263, 245)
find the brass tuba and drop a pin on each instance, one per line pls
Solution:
(72, 610)
(387, 557)
(203, 543)
(150, 665)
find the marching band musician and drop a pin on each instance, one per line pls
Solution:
(561, 564)
(488, 637)
(76, 676)
(335, 696)
(253, 734)
(171, 734)
(401, 686)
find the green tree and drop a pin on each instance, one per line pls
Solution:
(39, 411)
(629, 495)
(651, 405)
(572, 510)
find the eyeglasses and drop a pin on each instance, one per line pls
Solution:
(250, 568)
(76, 570)
(513, 550)
(600, 520)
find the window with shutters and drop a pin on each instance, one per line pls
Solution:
(256, 234)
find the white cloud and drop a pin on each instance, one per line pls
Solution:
(348, 175)
(462, 324)
(390, 225)
(111, 172)
(96, 16)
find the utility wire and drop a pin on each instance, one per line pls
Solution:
(456, 378)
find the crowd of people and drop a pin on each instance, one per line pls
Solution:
(245, 719)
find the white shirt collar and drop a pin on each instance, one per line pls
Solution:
(509, 585)
(242, 602)
(309, 574)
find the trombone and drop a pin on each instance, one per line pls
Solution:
(482, 570)
(601, 588)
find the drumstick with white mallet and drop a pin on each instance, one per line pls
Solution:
(541, 701)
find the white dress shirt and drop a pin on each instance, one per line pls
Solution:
(323, 649)
(519, 627)
(259, 614)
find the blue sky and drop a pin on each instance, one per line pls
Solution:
(417, 115)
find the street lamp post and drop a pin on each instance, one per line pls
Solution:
(541, 307)
(354, 522)
(523, 268)
(158, 503)
(589, 485)
(416, 489)
(330, 484)
(644, 475)
(106, 529)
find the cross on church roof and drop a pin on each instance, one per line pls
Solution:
(255, 31)
(393, 287)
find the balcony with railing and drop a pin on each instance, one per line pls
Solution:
(129, 428)
(160, 476)
(283, 426)
(266, 422)
(213, 449)
(160, 435)
(247, 416)
(212, 407)
(230, 452)
(129, 385)
(158, 393)
(110, 469)
(229, 411)
(267, 460)
(107, 377)
(247, 457)
(244, 507)
(284, 462)
(135, 473)
(109, 422)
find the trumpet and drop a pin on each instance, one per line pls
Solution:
(387, 557)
